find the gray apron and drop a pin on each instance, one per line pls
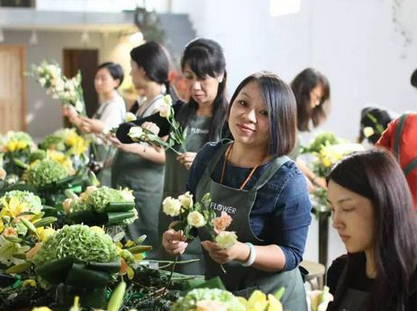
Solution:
(176, 177)
(102, 152)
(146, 179)
(242, 281)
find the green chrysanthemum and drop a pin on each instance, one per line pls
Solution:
(45, 172)
(99, 199)
(189, 302)
(38, 154)
(54, 142)
(82, 242)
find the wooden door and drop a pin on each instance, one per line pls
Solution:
(86, 61)
(12, 88)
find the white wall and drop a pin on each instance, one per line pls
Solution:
(354, 43)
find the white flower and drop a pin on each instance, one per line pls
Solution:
(226, 239)
(196, 219)
(79, 106)
(171, 206)
(186, 200)
(368, 131)
(319, 300)
(136, 133)
(165, 108)
(42, 81)
(130, 117)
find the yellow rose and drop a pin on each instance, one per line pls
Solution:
(226, 239)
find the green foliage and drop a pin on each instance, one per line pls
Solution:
(45, 172)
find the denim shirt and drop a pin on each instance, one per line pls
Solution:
(281, 213)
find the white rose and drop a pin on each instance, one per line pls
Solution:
(226, 239)
(135, 132)
(130, 117)
(319, 300)
(171, 207)
(165, 108)
(186, 200)
(196, 219)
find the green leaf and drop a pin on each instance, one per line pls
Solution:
(19, 268)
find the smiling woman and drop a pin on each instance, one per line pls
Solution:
(373, 213)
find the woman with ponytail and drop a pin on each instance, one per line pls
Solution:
(140, 166)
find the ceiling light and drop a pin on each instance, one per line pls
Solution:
(85, 37)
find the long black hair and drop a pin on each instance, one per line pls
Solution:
(206, 58)
(376, 175)
(154, 59)
(282, 110)
(302, 85)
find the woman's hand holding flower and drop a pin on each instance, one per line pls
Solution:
(238, 251)
(174, 242)
(187, 159)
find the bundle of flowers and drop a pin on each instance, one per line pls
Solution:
(177, 134)
(68, 91)
(101, 206)
(66, 140)
(16, 142)
(46, 172)
(22, 225)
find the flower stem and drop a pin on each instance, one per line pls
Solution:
(171, 274)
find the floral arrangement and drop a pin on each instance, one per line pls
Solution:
(86, 244)
(320, 140)
(101, 205)
(46, 172)
(177, 134)
(199, 215)
(21, 226)
(66, 140)
(16, 142)
(205, 299)
(68, 91)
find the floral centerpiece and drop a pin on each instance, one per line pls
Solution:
(101, 206)
(22, 226)
(66, 140)
(68, 91)
(46, 172)
(15, 147)
(83, 259)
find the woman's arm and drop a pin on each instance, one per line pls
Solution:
(152, 153)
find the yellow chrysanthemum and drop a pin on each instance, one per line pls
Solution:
(43, 232)
(274, 304)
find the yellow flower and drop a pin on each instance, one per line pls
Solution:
(257, 302)
(368, 131)
(29, 282)
(45, 232)
(41, 309)
(1, 225)
(98, 230)
(274, 304)
(13, 208)
(11, 146)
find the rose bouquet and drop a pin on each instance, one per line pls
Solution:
(101, 206)
(68, 91)
(177, 134)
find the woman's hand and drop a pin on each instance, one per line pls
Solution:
(150, 126)
(187, 159)
(71, 114)
(174, 242)
(114, 140)
(239, 251)
(91, 125)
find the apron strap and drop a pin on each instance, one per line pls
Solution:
(397, 137)
(217, 156)
(270, 171)
(410, 166)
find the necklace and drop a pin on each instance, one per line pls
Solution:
(228, 152)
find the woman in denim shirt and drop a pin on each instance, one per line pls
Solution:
(253, 180)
